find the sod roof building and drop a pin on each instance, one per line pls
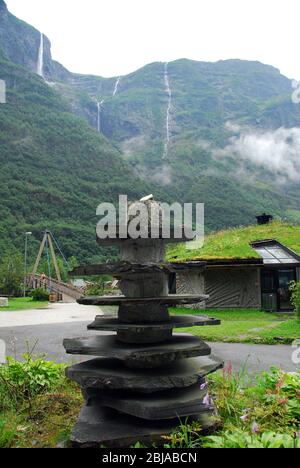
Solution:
(248, 267)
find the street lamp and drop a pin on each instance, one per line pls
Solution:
(25, 260)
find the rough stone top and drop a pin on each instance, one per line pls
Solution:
(127, 268)
(144, 220)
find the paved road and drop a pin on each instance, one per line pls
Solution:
(49, 338)
(54, 313)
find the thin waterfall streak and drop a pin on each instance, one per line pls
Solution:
(169, 94)
(99, 119)
(40, 63)
(99, 109)
(116, 86)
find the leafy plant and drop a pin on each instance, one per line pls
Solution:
(282, 389)
(95, 290)
(11, 275)
(22, 381)
(241, 439)
(39, 294)
(295, 290)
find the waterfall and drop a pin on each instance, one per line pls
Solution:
(116, 86)
(40, 62)
(99, 108)
(169, 94)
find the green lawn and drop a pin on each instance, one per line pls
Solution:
(21, 303)
(246, 326)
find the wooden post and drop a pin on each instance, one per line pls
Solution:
(54, 258)
(38, 259)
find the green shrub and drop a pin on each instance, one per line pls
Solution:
(278, 387)
(11, 275)
(95, 290)
(295, 289)
(39, 294)
(241, 439)
(22, 381)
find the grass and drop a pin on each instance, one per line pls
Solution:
(38, 404)
(246, 326)
(23, 303)
(234, 243)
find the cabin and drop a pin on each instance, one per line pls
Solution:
(260, 279)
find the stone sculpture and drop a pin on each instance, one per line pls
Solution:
(145, 379)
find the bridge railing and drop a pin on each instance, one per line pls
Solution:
(38, 281)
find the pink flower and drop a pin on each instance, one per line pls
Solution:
(244, 418)
(227, 371)
(203, 386)
(254, 428)
(206, 399)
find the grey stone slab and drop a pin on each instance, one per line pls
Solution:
(98, 427)
(144, 336)
(141, 314)
(153, 251)
(171, 300)
(121, 269)
(175, 321)
(143, 356)
(111, 374)
(145, 285)
(163, 405)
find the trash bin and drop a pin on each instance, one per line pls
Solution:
(53, 298)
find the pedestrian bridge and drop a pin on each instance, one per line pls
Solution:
(66, 292)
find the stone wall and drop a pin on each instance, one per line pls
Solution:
(227, 287)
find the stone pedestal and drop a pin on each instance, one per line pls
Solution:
(3, 302)
(146, 378)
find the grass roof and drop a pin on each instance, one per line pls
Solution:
(234, 244)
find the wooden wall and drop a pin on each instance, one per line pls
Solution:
(227, 287)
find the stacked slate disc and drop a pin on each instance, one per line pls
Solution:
(145, 379)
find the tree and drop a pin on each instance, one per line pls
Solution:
(11, 275)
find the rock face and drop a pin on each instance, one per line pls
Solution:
(21, 44)
(146, 378)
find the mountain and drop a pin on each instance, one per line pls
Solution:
(55, 169)
(224, 133)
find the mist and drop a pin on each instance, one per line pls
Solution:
(277, 151)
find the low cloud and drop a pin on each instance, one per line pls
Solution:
(278, 151)
(163, 175)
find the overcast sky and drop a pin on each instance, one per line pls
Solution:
(116, 37)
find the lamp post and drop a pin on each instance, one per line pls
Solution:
(25, 260)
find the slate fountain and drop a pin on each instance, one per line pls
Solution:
(145, 378)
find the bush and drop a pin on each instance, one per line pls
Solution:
(241, 439)
(295, 289)
(39, 294)
(11, 275)
(22, 381)
(95, 290)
